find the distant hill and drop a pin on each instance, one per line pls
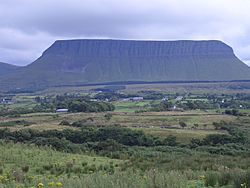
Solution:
(71, 62)
(7, 68)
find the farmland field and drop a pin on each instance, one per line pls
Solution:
(177, 136)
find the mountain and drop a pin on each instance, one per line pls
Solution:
(7, 68)
(70, 62)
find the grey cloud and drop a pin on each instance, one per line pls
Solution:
(29, 26)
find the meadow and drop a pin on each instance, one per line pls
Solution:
(115, 143)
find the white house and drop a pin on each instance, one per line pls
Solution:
(62, 110)
(137, 98)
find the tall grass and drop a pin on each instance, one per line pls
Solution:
(26, 166)
(129, 179)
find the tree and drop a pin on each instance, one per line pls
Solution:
(196, 125)
(108, 116)
(170, 141)
(182, 124)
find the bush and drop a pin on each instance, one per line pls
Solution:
(248, 178)
(25, 169)
(108, 116)
(224, 178)
(64, 122)
(211, 179)
(170, 141)
(242, 179)
(233, 112)
(15, 123)
(1, 171)
(182, 124)
(238, 179)
(215, 139)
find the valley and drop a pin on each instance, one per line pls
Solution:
(145, 135)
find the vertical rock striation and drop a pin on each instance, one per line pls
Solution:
(99, 61)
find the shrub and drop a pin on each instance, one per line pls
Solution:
(170, 141)
(108, 116)
(224, 178)
(47, 167)
(15, 123)
(64, 122)
(84, 164)
(238, 179)
(214, 139)
(211, 179)
(182, 124)
(233, 112)
(248, 178)
(25, 169)
(80, 123)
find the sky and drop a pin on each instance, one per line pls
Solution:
(28, 27)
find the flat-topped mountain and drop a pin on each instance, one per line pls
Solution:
(7, 68)
(69, 62)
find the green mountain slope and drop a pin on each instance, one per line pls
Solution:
(72, 62)
(7, 68)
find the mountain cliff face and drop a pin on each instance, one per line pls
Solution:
(99, 61)
(7, 68)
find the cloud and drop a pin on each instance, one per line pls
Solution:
(29, 26)
(21, 48)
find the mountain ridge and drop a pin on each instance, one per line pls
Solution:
(90, 61)
(6, 68)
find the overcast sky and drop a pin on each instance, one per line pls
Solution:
(28, 27)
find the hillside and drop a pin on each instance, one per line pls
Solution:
(7, 68)
(73, 62)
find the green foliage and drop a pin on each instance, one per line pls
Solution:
(15, 123)
(242, 179)
(170, 141)
(215, 139)
(108, 116)
(25, 169)
(211, 179)
(65, 122)
(233, 112)
(182, 124)
(15, 111)
(144, 160)
(65, 140)
(225, 178)
(81, 104)
(234, 143)
(163, 106)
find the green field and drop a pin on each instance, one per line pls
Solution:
(130, 106)
(138, 144)
(154, 123)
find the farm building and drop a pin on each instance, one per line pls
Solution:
(6, 101)
(62, 110)
(137, 98)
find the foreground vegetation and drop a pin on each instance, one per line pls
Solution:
(167, 140)
(31, 166)
(101, 155)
